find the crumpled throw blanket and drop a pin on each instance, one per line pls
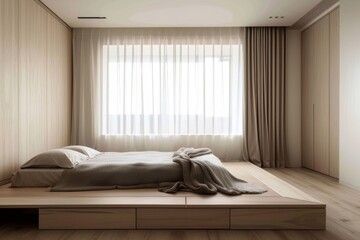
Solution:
(205, 177)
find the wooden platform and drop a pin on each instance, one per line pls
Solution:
(282, 207)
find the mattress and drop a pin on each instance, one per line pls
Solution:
(36, 177)
(45, 177)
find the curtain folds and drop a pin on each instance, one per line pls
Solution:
(159, 89)
(264, 97)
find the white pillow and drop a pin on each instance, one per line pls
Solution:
(56, 158)
(90, 152)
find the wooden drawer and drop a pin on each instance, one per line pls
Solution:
(160, 218)
(87, 218)
(278, 218)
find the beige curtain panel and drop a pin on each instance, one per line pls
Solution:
(264, 110)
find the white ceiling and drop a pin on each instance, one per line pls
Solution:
(180, 13)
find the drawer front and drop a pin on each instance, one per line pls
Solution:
(157, 218)
(278, 218)
(82, 218)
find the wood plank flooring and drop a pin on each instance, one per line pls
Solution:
(343, 218)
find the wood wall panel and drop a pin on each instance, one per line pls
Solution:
(32, 91)
(321, 95)
(307, 104)
(58, 83)
(35, 82)
(334, 91)
(8, 87)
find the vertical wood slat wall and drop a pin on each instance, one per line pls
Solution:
(35, 83)
(320, 95)
(9, 84)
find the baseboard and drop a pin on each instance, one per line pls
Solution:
(293, 165)
(350, 185)
(5, 181)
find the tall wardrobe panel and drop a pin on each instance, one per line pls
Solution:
(334, 92)
(8, 87)
(32, 89)
(307, 107)
(321, 95)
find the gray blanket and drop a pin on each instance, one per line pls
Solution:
(104, 176)
(205, 177)
(187, 171)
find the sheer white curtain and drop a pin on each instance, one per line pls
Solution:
(159, 89)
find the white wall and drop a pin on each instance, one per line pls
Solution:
(293, 97)
(350, 92)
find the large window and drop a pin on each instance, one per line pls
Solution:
(171, 90)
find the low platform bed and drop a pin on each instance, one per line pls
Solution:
(281, 207)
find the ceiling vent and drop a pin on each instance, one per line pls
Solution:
(276, 17)
(91, 17)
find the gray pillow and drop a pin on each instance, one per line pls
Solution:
(56, 158)
(90, 152)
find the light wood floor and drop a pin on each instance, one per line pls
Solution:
(343, 218)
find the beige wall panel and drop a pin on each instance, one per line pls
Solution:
(8, 87)
(58, 83)
(307, 123)
(349, 138)
(67, 98)
(32, 89)
(334, 91)
(321, 95)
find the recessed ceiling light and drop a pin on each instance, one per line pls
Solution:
(276, 17)
(91, 17)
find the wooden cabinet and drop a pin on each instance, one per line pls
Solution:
(164, 218)
(87, 218)
(183, 218)
(334, 92)
(278, 218)
(307, 103)
(320, 101)
(321, 95)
